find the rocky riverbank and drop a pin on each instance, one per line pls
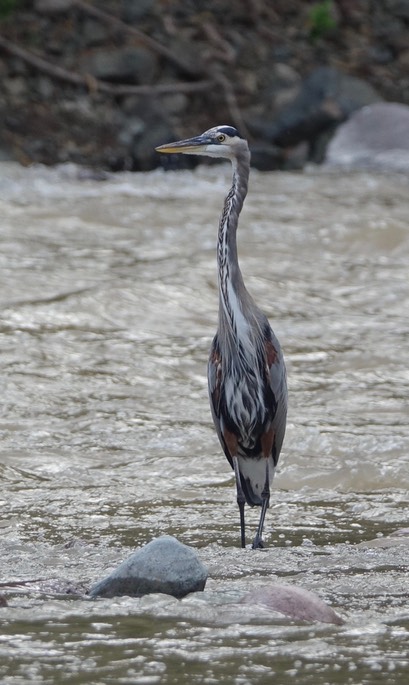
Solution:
(100, 85)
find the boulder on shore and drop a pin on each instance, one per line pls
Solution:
(375, 137)
(325, 99)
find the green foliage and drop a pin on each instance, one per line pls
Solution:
(6, 7)
(321, 19)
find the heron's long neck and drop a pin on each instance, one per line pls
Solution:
(232, 292)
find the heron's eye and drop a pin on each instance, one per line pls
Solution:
(221, 138)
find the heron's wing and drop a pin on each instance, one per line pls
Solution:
(277, 380)
(214, 378)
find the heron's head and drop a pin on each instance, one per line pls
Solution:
(220, 141)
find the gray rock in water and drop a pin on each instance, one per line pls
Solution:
(164, 565)
(293, 602)
(375, 137)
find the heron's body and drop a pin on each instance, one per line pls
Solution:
(246, 371)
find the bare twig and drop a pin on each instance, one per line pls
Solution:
(222, 50)
(210, 74)
(188, 68)
(95, 85)
(259, 10)
(227, 55)
(41, 64)
(231, 101)
(225, 50)
(161, 88)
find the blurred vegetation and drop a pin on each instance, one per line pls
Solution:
(321, 19)
(6, 7)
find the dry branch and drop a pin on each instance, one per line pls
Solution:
(211, 75)
(41, 64)
(222, 47)
(151, 43)
(227, 55)
(94, 84)
(231, 101)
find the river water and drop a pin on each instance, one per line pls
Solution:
(108, 307)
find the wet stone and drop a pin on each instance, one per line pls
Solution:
(164, 565)
(294, 602)
(375, 137)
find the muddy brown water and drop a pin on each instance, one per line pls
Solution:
(108, 306)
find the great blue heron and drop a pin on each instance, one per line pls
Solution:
(246, 371)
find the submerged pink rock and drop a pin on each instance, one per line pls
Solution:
(293, 602)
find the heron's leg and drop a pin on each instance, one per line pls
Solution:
(265, 497)
(240, 500)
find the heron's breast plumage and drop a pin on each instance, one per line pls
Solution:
(241, 397)
(244, 401)
(243, 367)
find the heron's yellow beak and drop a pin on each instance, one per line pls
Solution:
(188, 146)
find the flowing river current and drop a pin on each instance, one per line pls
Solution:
(108, 307)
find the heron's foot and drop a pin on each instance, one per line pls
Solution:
(257, 542)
